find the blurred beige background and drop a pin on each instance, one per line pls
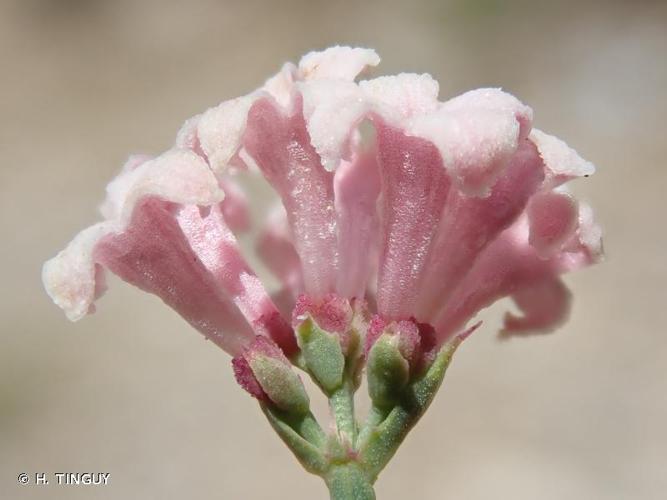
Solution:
(131, 390)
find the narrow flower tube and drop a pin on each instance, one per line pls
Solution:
(356, 188)
(414, 189)
(281, 147)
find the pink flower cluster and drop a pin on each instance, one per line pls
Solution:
(433, 213)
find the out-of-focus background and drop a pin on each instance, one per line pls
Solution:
(131, 390)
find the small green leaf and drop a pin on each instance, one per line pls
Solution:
(322, 354)
(388, 372)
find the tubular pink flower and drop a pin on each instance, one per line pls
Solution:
(415, 186)
(444, 209)
(280, 145)
(165, 233)
(511, 266)
(470, 223)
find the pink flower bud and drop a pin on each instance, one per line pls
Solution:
(266, 374)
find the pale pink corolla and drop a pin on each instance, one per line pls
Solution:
(438, 211)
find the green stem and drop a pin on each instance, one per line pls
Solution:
(349, 482)
(341, 402)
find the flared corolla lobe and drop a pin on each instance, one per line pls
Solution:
(141, 179)
(427, 210)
